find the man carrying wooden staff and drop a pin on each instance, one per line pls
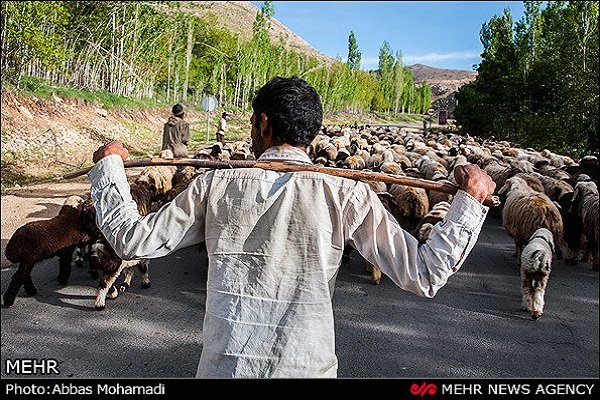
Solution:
(275, 240)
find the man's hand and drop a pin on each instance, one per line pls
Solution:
(474, 181)
(114, 147)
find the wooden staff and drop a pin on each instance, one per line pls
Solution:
(278, 166)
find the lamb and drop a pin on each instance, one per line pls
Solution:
(536, 264)
(585, 204)
(525, 211)
(40, 240)
(104, 258)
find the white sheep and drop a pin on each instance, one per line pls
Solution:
(536, 264)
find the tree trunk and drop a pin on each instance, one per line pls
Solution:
(188, 58)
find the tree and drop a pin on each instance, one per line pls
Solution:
(538, 79)
(354, 55)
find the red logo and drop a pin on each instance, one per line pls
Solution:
(423, 389)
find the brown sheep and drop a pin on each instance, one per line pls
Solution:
(525, 211)
(38, 240)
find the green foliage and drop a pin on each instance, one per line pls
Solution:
(153, 50)
(538, 79)
(354, 54)
(45, 90)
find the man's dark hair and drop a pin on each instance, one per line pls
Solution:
(293, 107)
(177, 109)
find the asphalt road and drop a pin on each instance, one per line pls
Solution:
(473, 328)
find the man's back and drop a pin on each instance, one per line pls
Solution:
(268, 310)
(176, 135)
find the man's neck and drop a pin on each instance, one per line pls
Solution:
(286, 146)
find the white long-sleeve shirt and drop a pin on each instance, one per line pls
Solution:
(275, 243)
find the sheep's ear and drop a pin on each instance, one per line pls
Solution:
(504, 188)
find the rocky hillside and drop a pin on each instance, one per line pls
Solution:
(443, 82)
(48, 137)
(238, 17)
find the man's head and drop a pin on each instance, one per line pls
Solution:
(286, 111)
(178, 110)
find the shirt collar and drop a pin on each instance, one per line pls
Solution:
(285, 153)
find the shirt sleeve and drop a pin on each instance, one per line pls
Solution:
(177, 224)
(419, 268)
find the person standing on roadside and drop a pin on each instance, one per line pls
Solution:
(222, 128)
(176, 133)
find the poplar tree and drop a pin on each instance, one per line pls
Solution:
(354, 54)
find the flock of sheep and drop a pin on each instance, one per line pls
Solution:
(549, 202)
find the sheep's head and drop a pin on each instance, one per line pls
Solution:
(72, 202)
(514, 183)
(583, 190)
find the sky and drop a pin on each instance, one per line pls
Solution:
(442, 34)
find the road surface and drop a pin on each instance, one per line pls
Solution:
(473, 328)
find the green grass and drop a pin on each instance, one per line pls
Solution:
(30, 86)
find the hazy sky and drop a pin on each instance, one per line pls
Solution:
(443, 34)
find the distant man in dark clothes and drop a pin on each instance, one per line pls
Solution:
(176, 133)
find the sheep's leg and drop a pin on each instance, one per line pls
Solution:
(127, 281)
(64, 261)
(346, 255)
(558, 253)
(571, 256)
(29, 286)
(526, 303)
(519, 247)
(143, 267)
(375, 273)
(22, 275)
(595, 261)
(593, 253)
(537, 308)
(106, 289)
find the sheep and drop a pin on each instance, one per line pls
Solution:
(408, 205)
(411, 205)
(166, 154)
(536, 264)
(39, 240)
(104, 258)
(525, 211)
(533, 181)
(553, 188)
(437, 213)
(160, 179)
(585, 204)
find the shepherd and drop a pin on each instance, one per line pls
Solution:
(275, 240)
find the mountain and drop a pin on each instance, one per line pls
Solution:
(238, 18)
(443, 82)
